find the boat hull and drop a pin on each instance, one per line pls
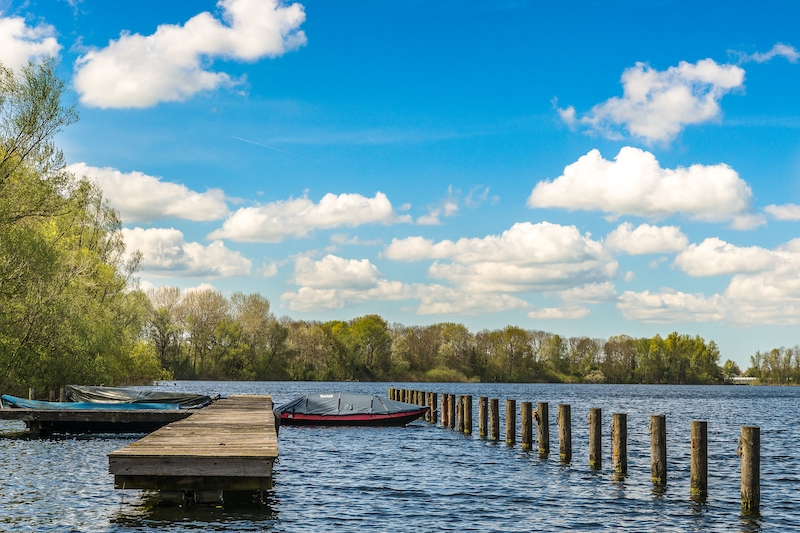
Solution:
(370, 420)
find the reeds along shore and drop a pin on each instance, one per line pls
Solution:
(456, 414)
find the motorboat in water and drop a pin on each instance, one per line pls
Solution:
(342, 409)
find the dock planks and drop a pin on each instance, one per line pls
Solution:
(229, 445)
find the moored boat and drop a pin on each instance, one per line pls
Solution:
(342, 409)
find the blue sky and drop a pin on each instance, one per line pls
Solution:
(585, 168)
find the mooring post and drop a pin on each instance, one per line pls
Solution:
(428, 403)
(451, 417)
(596, 438)
(460, 414)
(63, 395)
(445, 409)
(468, 414)
(543, 410)
(751, 468)
(698, 471)
(52, 396)
(483, 416)
(564, 420)
(434, 408)
(31, 393)
(494, 416)
(526, 422)
(511, 422)
(658, 449)
(619, 442)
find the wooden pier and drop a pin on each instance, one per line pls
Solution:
(227, 446)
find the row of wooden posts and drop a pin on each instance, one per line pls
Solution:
(457, 414)
(54, 395)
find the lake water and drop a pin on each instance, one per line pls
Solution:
(427, 478)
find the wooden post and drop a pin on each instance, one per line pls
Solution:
(483, 416)
(698, 471)
(543, 410)
(494, 416)
(619, 442)
(31, 393)
(52, 396)
(389, 393)
(468, 414)
(751, 468)
(434, 408)
(460, 414)
(445, 409)
(596, 438)
(658, 449)
(63, 395)
(452, 416)
(564, 420)
(526, 421)
(511, 422)
(428, 403)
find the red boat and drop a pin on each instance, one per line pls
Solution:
(341, 409)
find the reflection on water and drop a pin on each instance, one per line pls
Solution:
(431, 479)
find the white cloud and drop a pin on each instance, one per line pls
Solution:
(670, 306)
(139, 197)
(784, 212)
(779, 49)
(20, 43)
(592, 293)
(657, 105)
(714, 257)
(646, 239)
(333, 272)
(526, 257)
(345, 239)
(557, 313)
(174, 63)
(440, 300)
(635, 184)
(448, 207)
(167, 253)
(268, 270)
(629, 276)
(298, 217)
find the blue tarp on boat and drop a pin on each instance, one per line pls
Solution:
(13, 401)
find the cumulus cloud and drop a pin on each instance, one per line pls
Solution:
(714, 257)
(20, 42)
(143, 198)
(635, 184)
(669, 306)
(526, 257)
(556, 313)
(174, 63)
(784, 212)
(448, 207)
(778, 50)
(298, 217)
(593, 293)
(440, 300)
(646, 239)
(166, 252)
(656, 105)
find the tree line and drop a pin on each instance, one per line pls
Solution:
(204, 335)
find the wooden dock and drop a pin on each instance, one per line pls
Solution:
(227, 446)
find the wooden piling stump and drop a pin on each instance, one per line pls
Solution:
(494, 416)
(564, 420)
(483, 416)
(698, 471)
(468, 414)
(751, 469)
(434, 408)
(619, 442)
(526, 422)
(62, 397)
(658, 449)
(543, 410)
(460, 414)
(31, 393)
(452, 416)
(596, 438)
(511, 422)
